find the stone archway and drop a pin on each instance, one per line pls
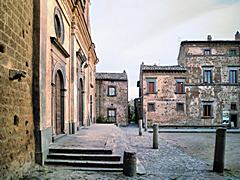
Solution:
(59, 104)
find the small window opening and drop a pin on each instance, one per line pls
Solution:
(16, 120)
(233, 106)
(2, 48)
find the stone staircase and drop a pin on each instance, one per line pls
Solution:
(85, 159)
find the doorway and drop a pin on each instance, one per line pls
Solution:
(59, 104)
(80, 103)
(233, 118)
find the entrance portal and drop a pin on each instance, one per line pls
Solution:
(80, 103)
(59, 104)
(234, 119)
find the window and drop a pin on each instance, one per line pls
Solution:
(111, 91)
(233, 74)
(151, 86)
(233, 106)
(207, 110)
(207, 51)
(180, 86)
(58, 25)
(151, 107)
(207, 76)
(180, 107)
(232, 52)
(111, 115)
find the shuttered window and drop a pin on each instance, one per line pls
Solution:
(233, 76)
(207, 110)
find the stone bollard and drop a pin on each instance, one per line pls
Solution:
(155, 136)
(218, 164)
(140, 127)
(129, 163)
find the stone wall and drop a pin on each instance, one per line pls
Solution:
(118, 102)
(165, 98)
(16, 113)
(220, 92)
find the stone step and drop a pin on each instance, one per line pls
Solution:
(78, 163)
(87, 157)
(92, 169)
(80, 151)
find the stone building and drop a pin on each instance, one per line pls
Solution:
(66, 63)
(163, 93)
(47, 78)
(207, 78)
(112, 98)
(213, 79)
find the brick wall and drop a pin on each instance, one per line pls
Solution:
(16, 113)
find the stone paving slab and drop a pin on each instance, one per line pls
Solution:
(95, 136)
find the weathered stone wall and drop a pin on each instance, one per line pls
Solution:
(16, 113)
(165, 98)
(119, 102)
(220, 92)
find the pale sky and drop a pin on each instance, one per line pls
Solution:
(129, 32)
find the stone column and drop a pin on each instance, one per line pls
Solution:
(146, 128)
(218, 164)
(129, 163)
(155, 136)
(140, 127)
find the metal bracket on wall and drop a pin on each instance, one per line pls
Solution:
(15, 74)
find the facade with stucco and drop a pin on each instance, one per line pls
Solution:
(65, 62)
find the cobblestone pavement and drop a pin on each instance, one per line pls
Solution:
(168, 162)
(201, 145)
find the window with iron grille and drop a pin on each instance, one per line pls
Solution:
(180, 107)
(151, 107)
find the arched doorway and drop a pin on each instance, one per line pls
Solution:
(80, 102)
(59, 103)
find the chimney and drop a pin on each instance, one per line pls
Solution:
(237, 36)
(209, 37)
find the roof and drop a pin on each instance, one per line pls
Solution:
(211, 42)
(162, 68)
(112, 76)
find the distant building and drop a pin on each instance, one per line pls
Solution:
(112, 98)
(207, 78)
